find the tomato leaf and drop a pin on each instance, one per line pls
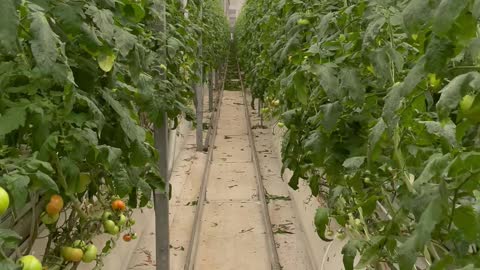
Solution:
(12, 119)
(9, 21)
(321, 222)
(446, 14)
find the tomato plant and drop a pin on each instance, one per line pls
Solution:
(81, 85)
(379, 102)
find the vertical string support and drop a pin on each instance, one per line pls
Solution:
(161, 197)
(199, 89)
(210, 91)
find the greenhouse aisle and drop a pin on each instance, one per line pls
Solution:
(232, 234)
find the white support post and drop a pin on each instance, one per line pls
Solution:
(161, 198)
(199, 90)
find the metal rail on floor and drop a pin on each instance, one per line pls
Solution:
(272, 248)
(194, 237)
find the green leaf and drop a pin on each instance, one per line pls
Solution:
(108, 155)
(131, 129)
(375, 136)
(48, 147)
(106, 60)
(432, 215)
(418, 14)
(394, 96)
(446, 14)
(467, 221)
(45, 42)
(43, 181)
(139, 154)
(103, 19)
(435, 166)
(438, 53)
(17, 186)
(321, 222)
(12, 119)
(9, 22)
(328, 80)
(452, 94)
(464, 163)
(8, 264)
(354, 163)
(351, 82)
(122, 182)
(301, 90)
(349, 252)
(125, 41)
(445, 130)
(373, 29)
(331, 114)
(71, 172)
(9, 239)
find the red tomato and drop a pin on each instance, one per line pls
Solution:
(118, 205)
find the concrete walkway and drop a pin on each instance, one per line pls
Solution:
(232, 234)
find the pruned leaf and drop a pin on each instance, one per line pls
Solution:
(321, 222)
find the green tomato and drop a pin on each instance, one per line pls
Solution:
(106, 215)
(90, 254)
(303, 22)
(109, 226)
(131, 222)
(29, 262)
(281, 125)
(47, 219)
(122, 220)
(4, 201)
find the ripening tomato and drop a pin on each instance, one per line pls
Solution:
(72, 254)
(90, 254)
(29, 262)
(4, 201)
(55, 205)
(127, 238)
(118, 205)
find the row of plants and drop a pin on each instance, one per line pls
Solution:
(82, 82)
(381, 108)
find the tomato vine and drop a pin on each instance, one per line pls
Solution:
(380, 101)
(80, 86)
